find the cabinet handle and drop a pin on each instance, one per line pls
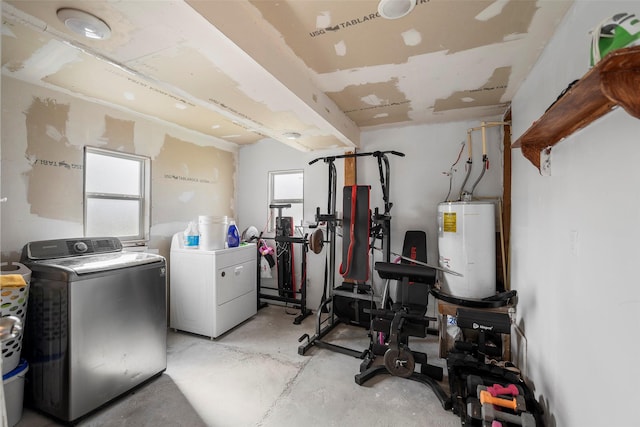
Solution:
(238, 270)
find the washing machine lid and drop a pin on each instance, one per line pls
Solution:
(84, 255)
(102, 262)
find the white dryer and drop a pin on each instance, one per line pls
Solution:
(211, 291)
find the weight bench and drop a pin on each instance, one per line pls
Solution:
(406, 317)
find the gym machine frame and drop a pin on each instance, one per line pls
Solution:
(280, 238)
(381, 228)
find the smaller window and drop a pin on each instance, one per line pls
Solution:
(286, 187)
(116, 195)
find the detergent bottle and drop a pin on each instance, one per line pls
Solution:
(191, 236)
(233, 237)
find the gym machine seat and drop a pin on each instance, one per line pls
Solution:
(392, 327)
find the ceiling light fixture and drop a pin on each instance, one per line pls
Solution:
(394, 9)
(83, 23)
(291, 135)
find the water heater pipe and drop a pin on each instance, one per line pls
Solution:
(485, 159)
(468, 167)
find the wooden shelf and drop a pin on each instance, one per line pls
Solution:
(613, 81)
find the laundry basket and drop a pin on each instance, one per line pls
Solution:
(13, 302)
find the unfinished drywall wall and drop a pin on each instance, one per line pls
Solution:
(54, 188)
(192, 178)
(43, 136)
(119, 134)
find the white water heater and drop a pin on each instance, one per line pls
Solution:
(467, 245)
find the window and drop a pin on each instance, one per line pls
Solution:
(286, 187)
(116, 195)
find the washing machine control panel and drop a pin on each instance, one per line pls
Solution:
(47, 249)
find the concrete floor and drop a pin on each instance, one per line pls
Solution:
(254, 376)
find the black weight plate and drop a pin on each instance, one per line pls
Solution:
(399, 363)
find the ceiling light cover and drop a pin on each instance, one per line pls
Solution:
(85, 24)
(394, 9)
(291, 135)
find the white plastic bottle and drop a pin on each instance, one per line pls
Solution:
(233, 237)
(191, 236)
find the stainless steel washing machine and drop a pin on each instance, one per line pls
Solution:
(96, 324)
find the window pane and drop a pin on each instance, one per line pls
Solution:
(109, 217)
(288, 186)
(295, 212)
(112, 175)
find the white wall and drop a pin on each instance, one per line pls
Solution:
(574, 244)
(417, 182)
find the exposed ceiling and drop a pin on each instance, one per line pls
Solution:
(243, 70)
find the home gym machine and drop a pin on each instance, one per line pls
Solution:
(287, 291)
(353, 300)
(390, 320)
(393, 324)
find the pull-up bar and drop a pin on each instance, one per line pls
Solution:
(347, 156)
(381, 156)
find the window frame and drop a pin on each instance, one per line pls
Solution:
(273, 212)
(144, 197)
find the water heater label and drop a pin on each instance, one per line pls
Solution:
(449, 222)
